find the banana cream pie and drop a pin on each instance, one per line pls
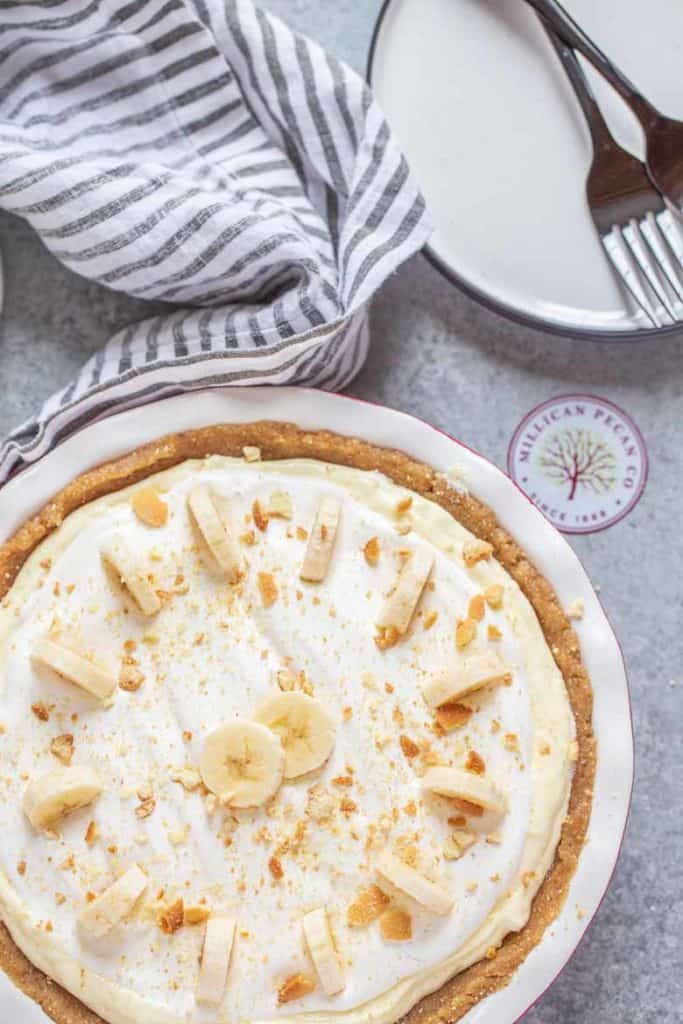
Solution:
(290, 729)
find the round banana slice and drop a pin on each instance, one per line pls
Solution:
(425, 892)
(323, 952)
(52, 796)
(115, 903)
(242, 763)
(306, 729)
(213, 973)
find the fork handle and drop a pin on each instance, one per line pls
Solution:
(554, 13)
(601, 135)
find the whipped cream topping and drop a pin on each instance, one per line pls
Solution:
(212, 655)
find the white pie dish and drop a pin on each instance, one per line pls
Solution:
(550, 552)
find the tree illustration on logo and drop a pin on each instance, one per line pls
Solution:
(579, 458)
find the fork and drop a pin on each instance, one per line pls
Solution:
(638, 231)
(663, 135)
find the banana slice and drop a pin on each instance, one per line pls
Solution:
(115, 903)
(306, 729)
(323, 952)
(401, 601)
(462, 785)
(425, 892)
(321, 541)
(209, 511)
(132, 575)
(50, 797)
(242, 763)
(76, 668)
(486, 669)
(213, 972)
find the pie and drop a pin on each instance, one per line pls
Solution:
(289, 725)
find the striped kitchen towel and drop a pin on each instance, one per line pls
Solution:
(201, 153)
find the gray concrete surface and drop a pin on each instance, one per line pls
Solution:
(439, 355)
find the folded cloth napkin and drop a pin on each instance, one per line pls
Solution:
(201, 153)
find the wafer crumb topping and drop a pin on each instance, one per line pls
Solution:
(475, 551)
(368, 905)
(295, 987)
(150, 508)
(396, 925)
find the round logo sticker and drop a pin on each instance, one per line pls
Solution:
(581, 460)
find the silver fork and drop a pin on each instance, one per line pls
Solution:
(638, 231)
(663, 135)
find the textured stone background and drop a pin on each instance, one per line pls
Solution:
(439, 355)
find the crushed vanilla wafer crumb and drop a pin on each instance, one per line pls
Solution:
(149, 507)
(476, 550)
(465, 632)
(494, 595)
(368, 905)
(295, 987)
(62, 747)
(172, 918)
(196, 915)
(396, 925)
(251, 453)
(371, 551)
(268, 588)
(261, 518)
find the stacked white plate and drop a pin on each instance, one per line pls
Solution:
(493, 131)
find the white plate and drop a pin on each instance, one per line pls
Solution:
(552, 555)
(493, 132)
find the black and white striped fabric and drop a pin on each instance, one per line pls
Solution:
(201, 153)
